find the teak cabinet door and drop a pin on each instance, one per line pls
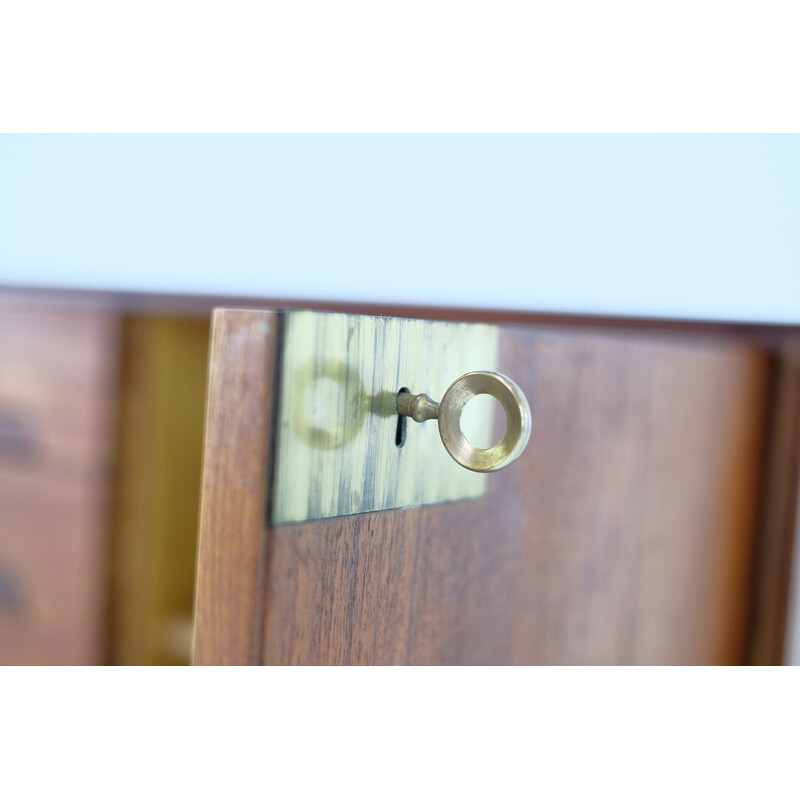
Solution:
(622, 535)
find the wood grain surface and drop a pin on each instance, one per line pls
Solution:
(232, 548)
(57, 389)
(624, 534)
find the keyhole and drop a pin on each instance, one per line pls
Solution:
(400, 432)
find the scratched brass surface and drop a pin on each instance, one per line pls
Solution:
(337, 420)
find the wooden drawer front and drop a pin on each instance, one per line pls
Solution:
(56, 398)
(55, 374)
(623, 535)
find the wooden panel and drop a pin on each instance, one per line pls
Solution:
(162, 407)
(57, 381)
(231, 554)
(623, 535)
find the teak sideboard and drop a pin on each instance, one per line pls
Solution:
(650, 520)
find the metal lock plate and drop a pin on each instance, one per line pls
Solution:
(336, 451)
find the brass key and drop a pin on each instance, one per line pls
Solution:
(448, 412)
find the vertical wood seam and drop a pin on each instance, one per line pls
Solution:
(772, 563)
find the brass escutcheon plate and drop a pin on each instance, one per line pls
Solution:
(336, 451)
